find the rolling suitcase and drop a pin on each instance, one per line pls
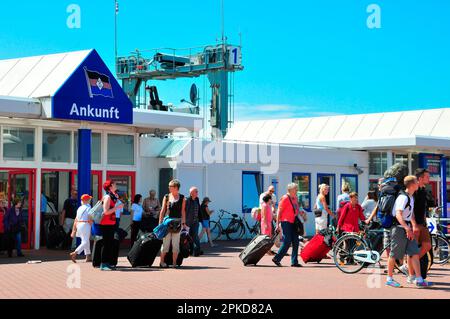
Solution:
(317, 248)
(97, 251)
(185, 241)
(256, 249)
(144, 250)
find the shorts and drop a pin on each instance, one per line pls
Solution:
(424, 236)
(401, 245)
(205, 223)
(321, 223)
(171, 238)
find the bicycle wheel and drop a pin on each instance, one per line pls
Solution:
(235, 230)
(440, 246)
(216, 230)
(343, 252)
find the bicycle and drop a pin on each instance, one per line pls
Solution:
(439, 241)
(235, 229)
(355, 251)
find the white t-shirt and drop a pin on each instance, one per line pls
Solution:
(274, 199)
(137, 212)
(82, 212)
(400, 204)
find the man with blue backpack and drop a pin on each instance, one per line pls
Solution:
(401, 205)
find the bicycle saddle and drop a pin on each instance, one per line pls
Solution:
(235, 215)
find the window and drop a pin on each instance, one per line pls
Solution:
(377, 163)
(448, 166)
(56, 146)
(303, 180)
(95, 148)
(401, 158)
(352, 180)
(328, 179)
(252, 187)
(18, 144)
(414, 162)
(120, 149)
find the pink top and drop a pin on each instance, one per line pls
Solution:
(266, 221)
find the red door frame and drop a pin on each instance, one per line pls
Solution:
(125, 173)
(31, 194)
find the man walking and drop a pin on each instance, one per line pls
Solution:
(192, 220)
(68, 215)
(402, 236)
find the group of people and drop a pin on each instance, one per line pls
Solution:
(145, 216)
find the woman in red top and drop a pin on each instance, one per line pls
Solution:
(288, 210)
(108, 224)
(351, 213)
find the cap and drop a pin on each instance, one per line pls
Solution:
(86, 197)
(206, 199)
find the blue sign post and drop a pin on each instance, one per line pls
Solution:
(91, 94)
(444, 186)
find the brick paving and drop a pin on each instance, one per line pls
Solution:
(217, 274)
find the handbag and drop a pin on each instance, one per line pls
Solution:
(298, 225)
(317, 212)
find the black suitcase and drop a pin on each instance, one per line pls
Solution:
(97, 251)
(256, 249)
(144, 250)
(185, 241)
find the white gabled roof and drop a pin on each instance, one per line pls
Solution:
(38, 76)
(349, 131)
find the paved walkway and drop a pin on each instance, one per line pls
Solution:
(217, 274)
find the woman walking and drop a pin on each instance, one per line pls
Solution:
(13, 222)
(136, 217)
(288, 210)
(174, 206)
(108, 224)
(205, 215)
(321, 208)
(82, 229)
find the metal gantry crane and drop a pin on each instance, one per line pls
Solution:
(214, 61)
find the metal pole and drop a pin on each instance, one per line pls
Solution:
(444, 185)
(116, 11)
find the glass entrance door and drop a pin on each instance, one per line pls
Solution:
(21, 186)
(96, 184)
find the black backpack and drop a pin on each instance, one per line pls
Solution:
(386, 201)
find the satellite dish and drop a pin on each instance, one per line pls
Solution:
(194, 94)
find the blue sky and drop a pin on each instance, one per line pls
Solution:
(301, 58)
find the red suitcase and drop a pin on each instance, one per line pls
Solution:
(315, 250)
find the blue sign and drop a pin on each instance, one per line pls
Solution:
(92, 93)
(432, 162)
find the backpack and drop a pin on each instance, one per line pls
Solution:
(256, 213)
(386, 202)
(96, 212)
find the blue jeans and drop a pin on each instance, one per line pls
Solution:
(289, 237)
(195, 244)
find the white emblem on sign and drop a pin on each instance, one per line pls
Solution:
(99, 84)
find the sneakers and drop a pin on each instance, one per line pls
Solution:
(393, 283)
(276, 262)
(296, 265)
(213, 245)
(105, 267)
(423, 284)
(163, 265)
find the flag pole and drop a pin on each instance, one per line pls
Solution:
(116, 9)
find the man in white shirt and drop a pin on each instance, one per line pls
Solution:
(271, 191)
(402, 236)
